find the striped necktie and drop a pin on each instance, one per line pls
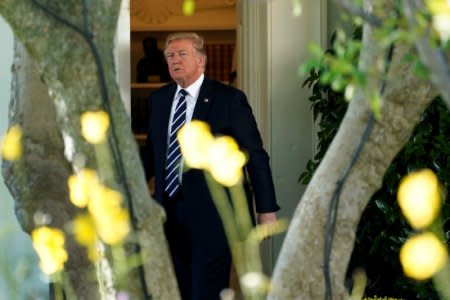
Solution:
(174, 153)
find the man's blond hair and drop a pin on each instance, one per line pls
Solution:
(197, 41)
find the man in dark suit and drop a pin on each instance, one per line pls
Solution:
(194, 230)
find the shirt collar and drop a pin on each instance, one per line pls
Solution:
(193, 89)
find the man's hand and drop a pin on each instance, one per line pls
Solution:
(267, 218)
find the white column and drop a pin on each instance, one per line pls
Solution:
(253, 60)
(272, 44)
(122, 54)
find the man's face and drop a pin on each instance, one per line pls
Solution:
(184, 62)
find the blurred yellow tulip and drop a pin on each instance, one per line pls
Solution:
(419, 198)
(226, 161)
(84, 230)
(111, 220)
(220, 156)
(114, 227)
(422, 256)
(188, 7)
(438, 6)
(254, 282)
(440, 10)
(103, 201)
(49, 245)
(195, 139)
(80, 186)
(11, 144)
(94, 126)
(441, 24)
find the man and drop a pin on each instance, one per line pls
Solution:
(194, 230)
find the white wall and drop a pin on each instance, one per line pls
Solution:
(122, 54)
(292, 134)
(272, 44)
(19, 274)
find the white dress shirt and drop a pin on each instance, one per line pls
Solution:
(191, 99)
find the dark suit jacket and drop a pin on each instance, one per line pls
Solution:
(227, 111)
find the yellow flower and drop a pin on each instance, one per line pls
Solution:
(195, 139)
(438, 6)
(188, 7)
(422, 256)
(254, 281)
(440, 9)
(111, 220)
(226, 161)
(419, 199)
(80, 186)
(85, 234)
(49, 245)
(114, 228)
(441, 23)
(104, 201)
(94, 126)
(84, 230)
(220, 156)
(11, 144)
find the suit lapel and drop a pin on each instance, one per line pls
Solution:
(204, 100)
(165, 118)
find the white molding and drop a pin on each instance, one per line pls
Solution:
(321, 35)
(254, 77)
(252, 42)
(122, 54)
(256, 35)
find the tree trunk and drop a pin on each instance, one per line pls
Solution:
(299, 270)
(50, 116)
(38, 185)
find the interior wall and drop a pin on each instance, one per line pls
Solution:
(292, 132)
(19, 274)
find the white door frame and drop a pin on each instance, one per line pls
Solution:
(255, 32)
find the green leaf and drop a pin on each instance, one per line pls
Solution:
(315, 49)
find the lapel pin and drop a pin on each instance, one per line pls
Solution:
(206, 100)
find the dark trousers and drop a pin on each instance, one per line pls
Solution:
(199, 276)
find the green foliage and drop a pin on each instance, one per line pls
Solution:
(382, 229)
(341, 71)
(326, 103)
(380, 298)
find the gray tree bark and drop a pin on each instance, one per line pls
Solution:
(299, 270)
(49, 95)
(50, 113)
